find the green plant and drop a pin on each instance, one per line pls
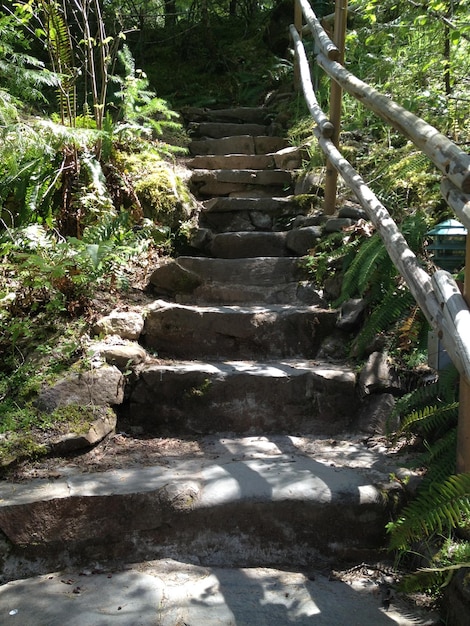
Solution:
(441, 505)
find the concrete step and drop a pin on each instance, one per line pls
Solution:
(237, 332)
(250, 115)
(243, 144)
(269, 280)
(250, 502)
(176, 593)
(222, 182)
(217, 130)
(297, 396)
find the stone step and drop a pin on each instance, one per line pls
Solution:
(230, 214)
(286, 158)
(248, 502)
(236, 245)
(259, 280)
(250, 115)
(232, 162)
(218, 130)
(236, 332)
(182, 593)
(197, 397)
(243, 144)
(223, 182)
(281, 206)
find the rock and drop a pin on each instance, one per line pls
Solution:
(100, 387)
(457, 599)
(352, 211)
(302, 221)
(261, 221)
(334, 348)
(374, 416)
(309, 294)
(200, 238)
(309, 183)
(351, 314)
(249, 244)
(122, 355)
(288, 158)
(336, 224)
(100, 428)
(126, 324)
(377, 375)
(170, 278)
(301, 240)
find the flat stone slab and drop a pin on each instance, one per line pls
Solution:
(172, 593)
(241, 144)
(236, 245)
(232, 161)
(283, 205)
(252, 115)
(246, 177)
(217, 130)
(224, 182)
(244, 502)
(244, 397)
(199, 280)
(236, 332)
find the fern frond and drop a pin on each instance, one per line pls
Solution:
(442, 506)
(427, 578)
(440, 458)
(442, 391)
(357, 275)
(391, 308)
(430, 418)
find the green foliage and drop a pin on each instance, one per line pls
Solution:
(23, 75)
(368, 272)
(440, 508)
(442, 502)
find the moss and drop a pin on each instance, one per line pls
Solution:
(71, 418)
(20, 445)
(162, 193)
(201, 390)
(307, 201)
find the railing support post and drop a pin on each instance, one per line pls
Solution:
(463, 428)
(298, 23)
(336, 95)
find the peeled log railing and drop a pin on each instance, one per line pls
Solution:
(438, 296)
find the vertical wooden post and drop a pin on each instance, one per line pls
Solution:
(463, 428)
(336, 95)
(298, 27)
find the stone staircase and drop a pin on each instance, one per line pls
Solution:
(239, 367)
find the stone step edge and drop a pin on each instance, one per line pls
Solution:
(194, 500)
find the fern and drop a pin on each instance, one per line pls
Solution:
(392, 307)
(435, 510)
(430, 419)
(358, 275)
(61, 54)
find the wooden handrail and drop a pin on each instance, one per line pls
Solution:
(449, 158)
(438, 296)
(326, 127)
(322, 40)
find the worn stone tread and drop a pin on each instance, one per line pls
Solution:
(249, 501)
(169, 592)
